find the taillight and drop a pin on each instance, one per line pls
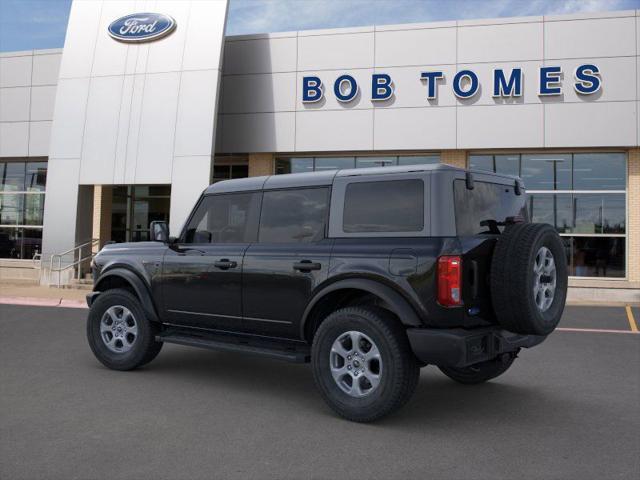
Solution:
(449, 281)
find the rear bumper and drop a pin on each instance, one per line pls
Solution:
(457, 347)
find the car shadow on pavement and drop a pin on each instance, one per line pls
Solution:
(437, 402)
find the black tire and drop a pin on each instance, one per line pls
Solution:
(399, 372)
(480, 372)
(513, 279)
(144, 347)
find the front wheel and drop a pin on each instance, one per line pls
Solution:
(119, 333)
(363, 364)
(480, 372)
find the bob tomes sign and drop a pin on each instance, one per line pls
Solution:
(465, 84)
(141, 27)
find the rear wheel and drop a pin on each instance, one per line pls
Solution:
(119, 333)
(363, 364)
(480, 372)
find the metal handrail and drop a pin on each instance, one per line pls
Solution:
(78, 248)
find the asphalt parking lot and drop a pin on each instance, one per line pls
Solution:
(567, 409)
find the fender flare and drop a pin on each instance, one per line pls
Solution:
(138, 285)
(397, 303)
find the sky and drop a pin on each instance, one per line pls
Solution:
(34, 24)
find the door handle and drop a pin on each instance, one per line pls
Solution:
(306, 266)
(225, 264)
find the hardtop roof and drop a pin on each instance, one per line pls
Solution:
(325, 178)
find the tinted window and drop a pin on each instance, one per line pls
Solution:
(390, 206)
(547, 171)
(294, 216)
(230, 218)
(599, 171)
(487, 201)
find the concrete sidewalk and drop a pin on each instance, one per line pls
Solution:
(16, 293)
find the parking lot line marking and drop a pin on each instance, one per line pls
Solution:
(632, 321)
(595, 330)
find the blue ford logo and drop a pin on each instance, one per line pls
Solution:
(141, 27)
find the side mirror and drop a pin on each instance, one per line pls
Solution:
(159, 231)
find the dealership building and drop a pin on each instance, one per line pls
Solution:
(107, 134)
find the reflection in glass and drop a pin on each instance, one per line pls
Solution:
(368, 162)
(33, 209)
(294, 165)
(547, 171)
(481, 162)
(334, 163)
(596, 256)
(419, 160)
(554, 209)
(508, 164)
(13, 177)
(599, 171)
(12, 209)
(36, 176)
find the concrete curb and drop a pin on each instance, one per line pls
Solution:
(42, 302)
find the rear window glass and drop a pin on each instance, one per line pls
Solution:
(384, 206)
(486, 202)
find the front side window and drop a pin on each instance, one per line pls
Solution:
(384, 206)
(294, 215)
(229, 218)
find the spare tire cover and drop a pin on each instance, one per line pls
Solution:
(529, 278)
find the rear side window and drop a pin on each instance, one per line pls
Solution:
(294, 216)
(384, 206)
(229, 218)
(486, 202)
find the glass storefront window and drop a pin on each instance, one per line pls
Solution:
(546, 172)
(11, 209)
(554, 209)
(590, 216)
(310, 164)
(13, 175)
(481, 162)
(334, 163)
(36, 176)
(508, 164)
(596, 256)
(367, 162)
(418, 159)
(599, 171)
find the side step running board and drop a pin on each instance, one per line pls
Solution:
(289, 352)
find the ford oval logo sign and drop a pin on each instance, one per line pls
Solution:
(141, 27)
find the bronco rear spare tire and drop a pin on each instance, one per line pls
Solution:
(529, 278)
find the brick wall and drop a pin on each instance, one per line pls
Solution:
(261, 164)
(102, 201)
(633, 227)
(457, 158)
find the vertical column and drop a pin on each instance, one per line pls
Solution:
(261, 164)
(455, 158)
(633, 205)
(102, 202)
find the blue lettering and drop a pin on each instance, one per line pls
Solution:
(507, 88)
(473, 84)
(381, 87)
(311, 89)
(587, 79)
(432, 83)
(350, 93)
(550, 81)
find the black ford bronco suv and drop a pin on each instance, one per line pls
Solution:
(369, 274)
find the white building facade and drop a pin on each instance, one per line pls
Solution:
(120, 134)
